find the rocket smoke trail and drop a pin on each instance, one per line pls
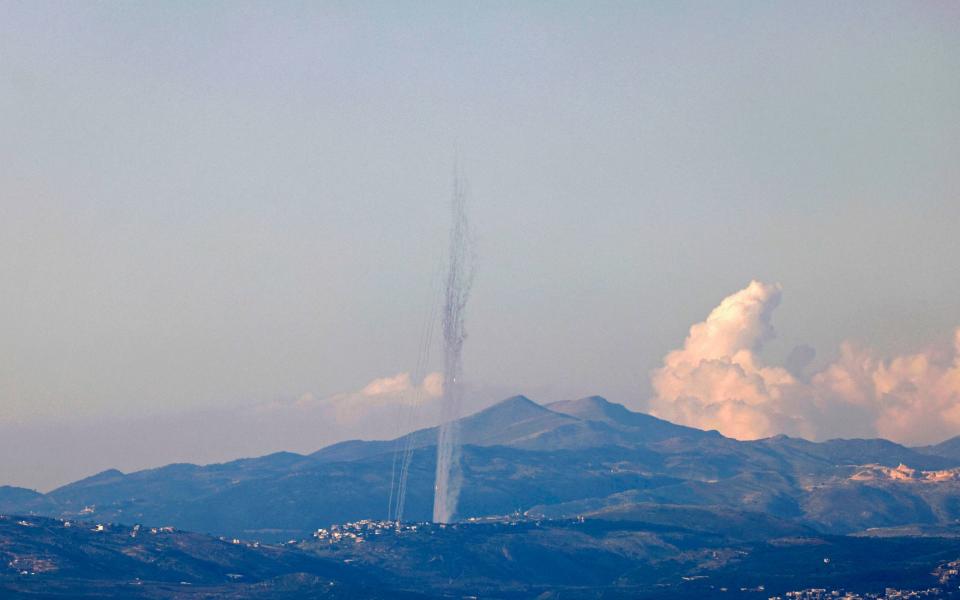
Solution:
(406, 443)
(457, 291)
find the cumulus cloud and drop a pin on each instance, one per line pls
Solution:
(389, 397)
(718, 381)
(913, 398)
(799, 359)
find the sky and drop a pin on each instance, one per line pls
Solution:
(211, 211)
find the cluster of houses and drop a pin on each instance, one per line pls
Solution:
(102, 527)
(902, 472)
(948, 573)
(239, 542)
(888, 594)
(357, 531)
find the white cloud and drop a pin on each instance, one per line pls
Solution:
(386, 399)
(718, 381)
(381, 401)
(913, 398)
(399, 384)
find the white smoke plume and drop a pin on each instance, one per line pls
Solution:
(456, 293)
(718, 381)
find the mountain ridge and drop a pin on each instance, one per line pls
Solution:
(566, 457)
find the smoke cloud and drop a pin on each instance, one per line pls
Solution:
(382, 395)
(456, 293)
(718, 381)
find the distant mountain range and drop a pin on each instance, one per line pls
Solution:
(580, 457)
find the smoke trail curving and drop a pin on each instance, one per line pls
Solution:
(456, 293)
(405, 443)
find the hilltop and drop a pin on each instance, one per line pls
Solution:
(579, 457)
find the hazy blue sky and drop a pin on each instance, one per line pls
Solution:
(214, 205)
